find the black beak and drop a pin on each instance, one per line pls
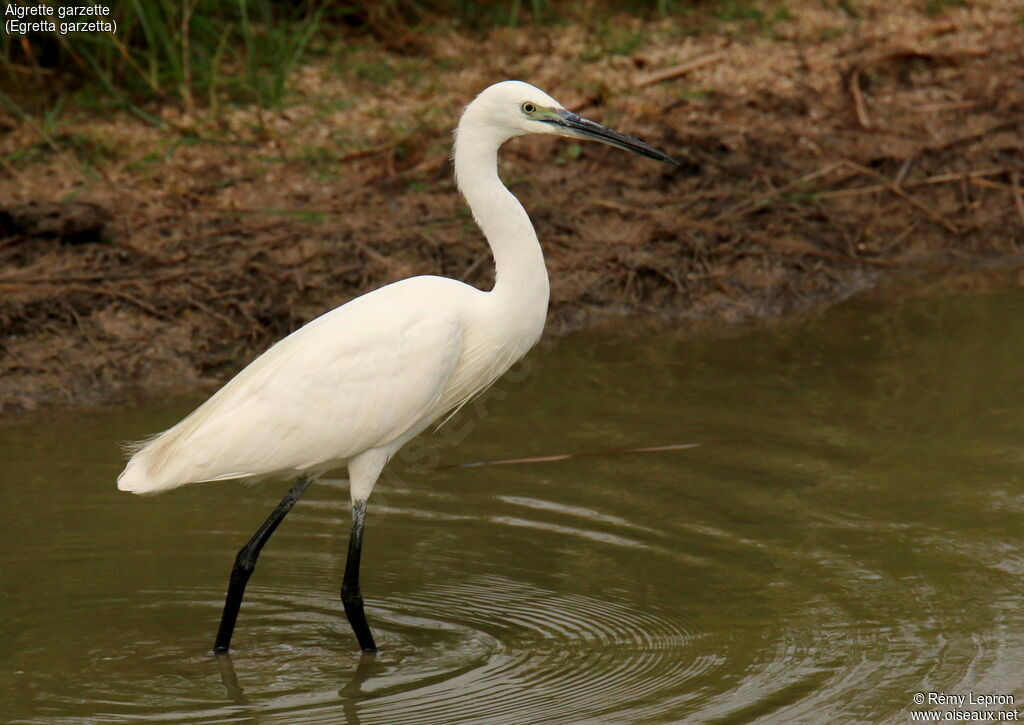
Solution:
(583, 128)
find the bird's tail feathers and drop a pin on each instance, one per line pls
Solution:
(144, 473)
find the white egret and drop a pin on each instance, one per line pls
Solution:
(352, 386)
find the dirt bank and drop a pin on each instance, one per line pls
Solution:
(823, 153)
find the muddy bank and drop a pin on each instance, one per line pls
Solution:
(822, 156)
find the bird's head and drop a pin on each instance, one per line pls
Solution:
(514, 108)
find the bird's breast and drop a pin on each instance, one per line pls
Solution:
(489, 350)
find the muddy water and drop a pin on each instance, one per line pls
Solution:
(849, 532)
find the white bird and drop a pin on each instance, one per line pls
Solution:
(354, 385)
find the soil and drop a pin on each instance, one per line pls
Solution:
(824, 153)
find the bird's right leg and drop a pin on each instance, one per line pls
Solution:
(245, 562)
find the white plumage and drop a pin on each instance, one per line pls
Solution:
(366, 376)
(354, 385)
(371, 374)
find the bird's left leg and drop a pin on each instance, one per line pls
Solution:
(245, 562)
(351, 594)
(363, 471)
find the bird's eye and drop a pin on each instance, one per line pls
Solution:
(529, 107)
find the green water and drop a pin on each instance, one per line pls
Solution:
(848, 532)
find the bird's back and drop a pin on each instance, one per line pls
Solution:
(362, 376)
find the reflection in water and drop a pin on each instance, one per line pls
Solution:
(229, 679)
(352, 693)
(846, 534)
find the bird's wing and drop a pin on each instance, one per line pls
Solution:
(359, 377)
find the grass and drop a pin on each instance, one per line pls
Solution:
(207, 53)
(612, 39)
(694, 94)
(375, 71)
(757, 16)
(940, 7)
(732, 11)
(30, 153)
(569, 153)
(828, 33)
(190, 49)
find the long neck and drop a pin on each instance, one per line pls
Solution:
(520, 273)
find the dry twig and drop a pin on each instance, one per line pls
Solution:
(935, 216)
(860, 106)
(1018, 201)
(937, 179)
(742, 210)
(1013, 188)
(701, 61)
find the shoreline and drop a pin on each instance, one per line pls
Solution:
(830, 157)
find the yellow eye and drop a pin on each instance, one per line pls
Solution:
(529, 108)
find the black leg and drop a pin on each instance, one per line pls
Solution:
(351, 596)
(245, 562)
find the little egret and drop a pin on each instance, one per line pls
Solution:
(354, 385)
